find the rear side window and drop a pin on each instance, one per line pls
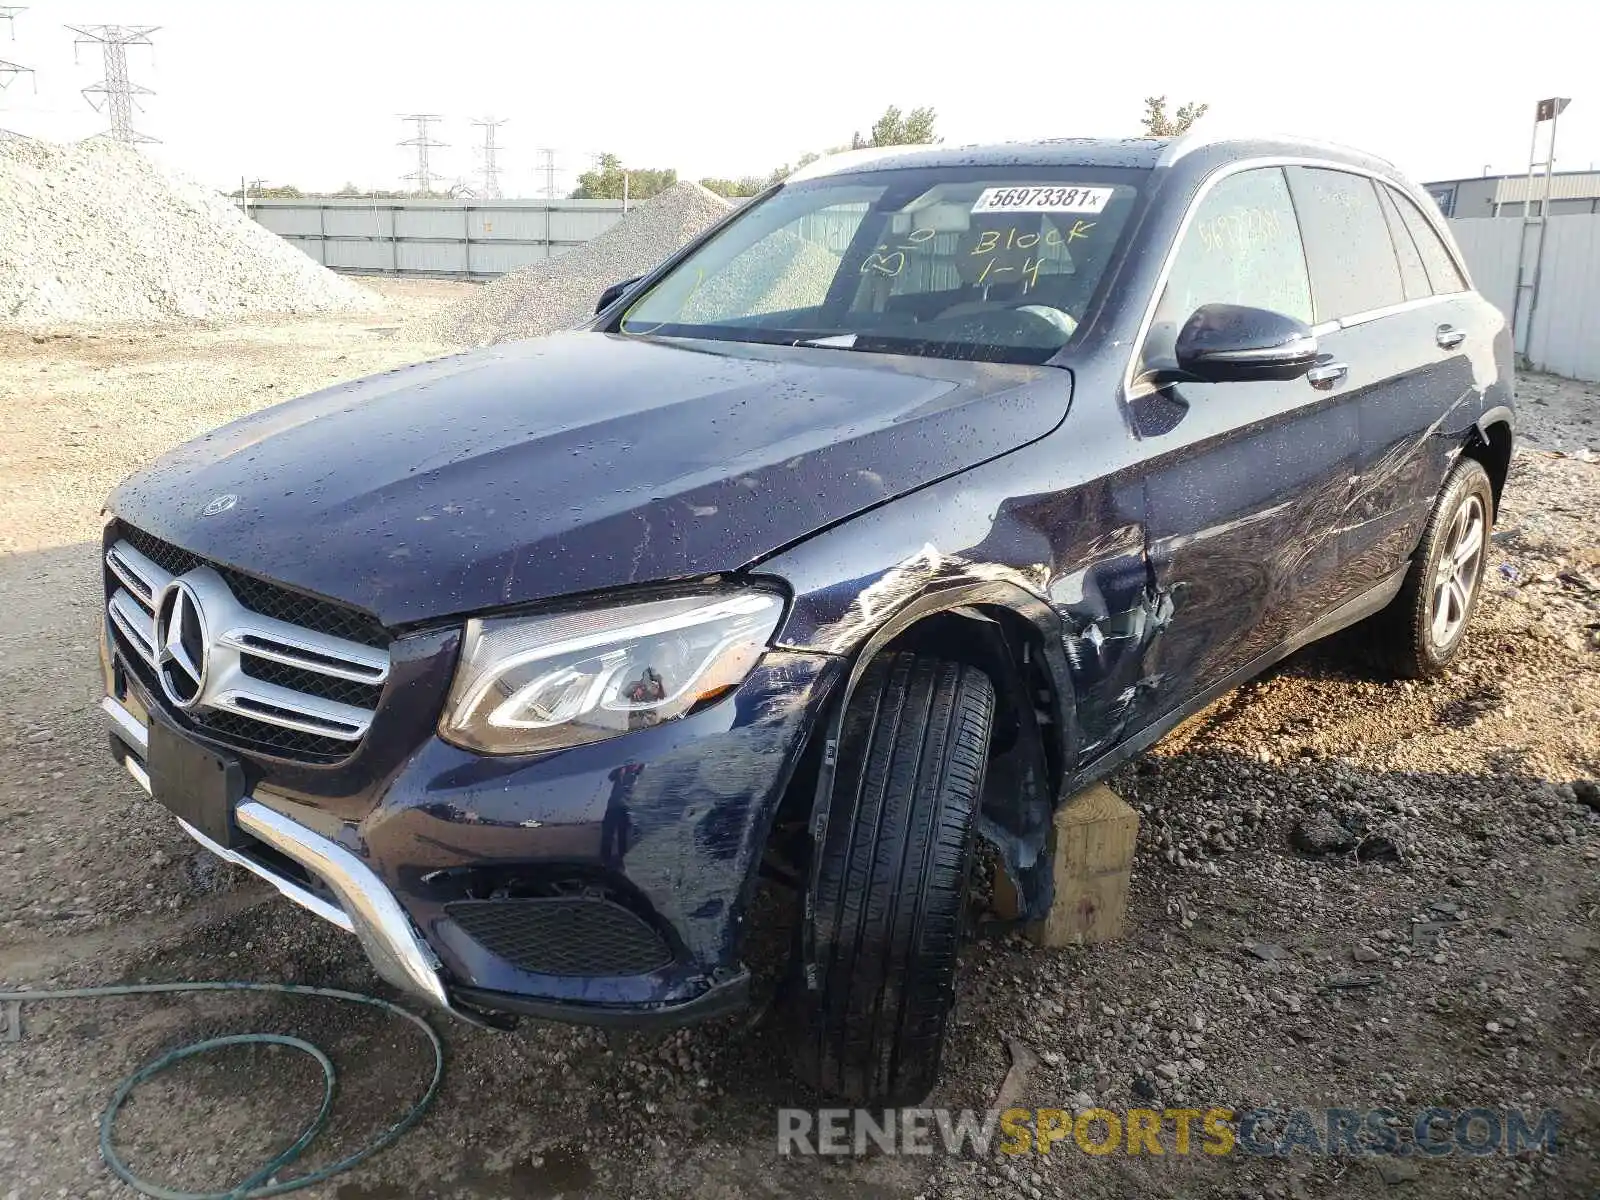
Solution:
(1353, 264)
(1442, 270)
(1413, 275)
(1241, 247)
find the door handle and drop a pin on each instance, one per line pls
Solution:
(1449, 337)
(1325, 375)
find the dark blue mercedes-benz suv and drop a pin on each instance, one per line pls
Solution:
(905, 502)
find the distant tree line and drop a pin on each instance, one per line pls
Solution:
(605, 180)
(349, 191)
(609, 177)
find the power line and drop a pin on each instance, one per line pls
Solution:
(115, 92)
(423, 174)
(491, 168)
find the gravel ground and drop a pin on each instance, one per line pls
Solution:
(1559, 414)
(560, 293)
(98, 232)
(1317, 825)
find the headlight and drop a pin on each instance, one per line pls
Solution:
(527, 684)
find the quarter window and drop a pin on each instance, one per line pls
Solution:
(1353, 264)
(1413, 276)
(1442, 270)
(1241, 247)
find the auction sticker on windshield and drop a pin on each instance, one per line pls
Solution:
(1042, 199)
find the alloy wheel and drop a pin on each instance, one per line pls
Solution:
(1455, 578)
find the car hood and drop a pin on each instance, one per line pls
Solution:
(575, 462)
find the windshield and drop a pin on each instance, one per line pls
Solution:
(974, 263)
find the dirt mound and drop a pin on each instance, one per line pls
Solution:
(560, 293)
(96, 232)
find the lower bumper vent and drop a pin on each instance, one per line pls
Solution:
(563, 935)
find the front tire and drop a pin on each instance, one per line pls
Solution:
(1425, 624)
(891, 883)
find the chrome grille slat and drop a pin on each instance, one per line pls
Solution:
(294, 710)
(281, 642)
(136, 623)
(245, 637)
(137, 573)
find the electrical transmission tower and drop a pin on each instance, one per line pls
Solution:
(10, 70)
(114, 91)
(423, 174)
(547, 168)
(491, 168)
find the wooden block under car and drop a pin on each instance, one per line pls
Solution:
(1092, 841)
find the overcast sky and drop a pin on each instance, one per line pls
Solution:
(308, 93)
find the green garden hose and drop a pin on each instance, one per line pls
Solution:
(255, 1186)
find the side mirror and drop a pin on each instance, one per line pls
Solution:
(612, 293)
(1223, 343)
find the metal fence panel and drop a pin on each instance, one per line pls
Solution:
(1566, 322)
(1565, 338)
(443, 223)
(354, 222)
(357, 256)
(473, 238)
(432, 258)
(487, 258)
(1491, 257)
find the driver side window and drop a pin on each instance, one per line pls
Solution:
(1242, 247)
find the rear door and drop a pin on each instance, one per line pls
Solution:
(1380, 319)
(1245, 481)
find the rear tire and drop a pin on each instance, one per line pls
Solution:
(891, 883)
(1424, 626)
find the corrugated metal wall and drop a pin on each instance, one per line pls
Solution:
(1565, 338)
(467, 238)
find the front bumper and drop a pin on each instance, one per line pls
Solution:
(671, 819)
(361, 904)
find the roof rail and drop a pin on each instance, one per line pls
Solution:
(1188, 143)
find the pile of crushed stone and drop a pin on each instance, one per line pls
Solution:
(96, 232)
(560, 293)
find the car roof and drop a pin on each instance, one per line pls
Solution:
(1134, 152)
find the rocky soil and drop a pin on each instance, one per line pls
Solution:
(1348, 892)
(1559, 414)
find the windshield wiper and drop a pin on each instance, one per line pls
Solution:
(832, 341)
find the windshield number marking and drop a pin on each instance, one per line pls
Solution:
(1043, 199)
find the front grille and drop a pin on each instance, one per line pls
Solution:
(295, 608)
(262, 736)
(293, 689)
(312, 683)
(170, 558)
(563, 935)
(260, 596)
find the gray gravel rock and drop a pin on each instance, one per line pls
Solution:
(98, 233)
(1587, 793)
(560, 293)
(1319, 832)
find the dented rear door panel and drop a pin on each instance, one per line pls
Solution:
(1418, 400)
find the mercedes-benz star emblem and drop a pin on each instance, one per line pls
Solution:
(181, 645)
(219, 504)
